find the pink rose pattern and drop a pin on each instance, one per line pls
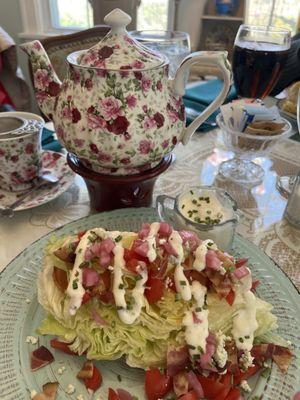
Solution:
(20, 160)
(124, 118)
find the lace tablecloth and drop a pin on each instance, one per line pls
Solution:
(197, 163)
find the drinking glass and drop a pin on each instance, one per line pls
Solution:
(285, 184)
(259, 55)
(175, 45)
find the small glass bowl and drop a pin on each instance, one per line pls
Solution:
(221, 233)
(241, 169)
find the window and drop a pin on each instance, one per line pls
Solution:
(71, 14)
(281, 13)
(153, 14)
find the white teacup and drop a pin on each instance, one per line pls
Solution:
(20, 149)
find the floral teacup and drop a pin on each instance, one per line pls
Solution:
(20, 149)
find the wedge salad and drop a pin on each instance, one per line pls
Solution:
(169, 303)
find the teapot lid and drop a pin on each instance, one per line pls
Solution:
(118, 50)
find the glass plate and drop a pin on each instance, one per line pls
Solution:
(19, 319)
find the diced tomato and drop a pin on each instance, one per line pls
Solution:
(240, 262)
(129, 254)
(86, 297)
(95, 381)
(64, 347)
(240, 376)
(154, 289)
(213, 389)
(230, 297)
(106, 297)
(234, 394)
(112, 395)
(157, 384)
(189, 396)
(80, 234)
(60, 278)
(132, 265)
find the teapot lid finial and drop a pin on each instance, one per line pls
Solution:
(117, 50)
(118, 20)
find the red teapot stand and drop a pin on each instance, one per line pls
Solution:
(109, 192)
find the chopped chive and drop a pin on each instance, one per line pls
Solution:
(247, 337)
(199, 348)
(198, 309)
(79, 250)
(208, 212)
(119, 378)
(210, 244)
(107, 339)
(183, 205)
(190, 346)
(191, 192)
(194, 201)
(182, 283)
(129, 307)
(118, 238)
(76, 273)
(75, 285)
(138, 277)
(241, 340)
(177, 296)
(119, 308)
(121, 286)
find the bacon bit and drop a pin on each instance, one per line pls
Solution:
(49, 392)
(212, 260)
(241, 272)
(232, 356)
(180, 384)
(191, 238)
(67, 254)
(144, 231)
(196, 320)
(177, 360)
(90, 277)
(50, 389)
(140, 247)
(86, 371)
(40, 357)
(206, 358)
(170, 249)
(165, 229)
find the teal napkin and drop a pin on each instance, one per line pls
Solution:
(48, 141)
(201, 95)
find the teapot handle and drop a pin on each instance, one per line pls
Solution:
(210, 59)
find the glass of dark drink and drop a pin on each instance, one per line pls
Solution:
(259, 55)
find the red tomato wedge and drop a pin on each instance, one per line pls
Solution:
(213, 389)
(240, 376)
(230, 297)
(64, 347)
(157, 384)
(189, 396)
(86, 297)
(95, 381)
(132, 265)
(112, 395)
(130, 254)
(234, 394)
(155, 289)
(80, 234)
(60, 278)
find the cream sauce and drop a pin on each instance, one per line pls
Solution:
(151, 239)
(200, 256)
(196, 332)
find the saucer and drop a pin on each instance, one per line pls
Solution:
(53, 162)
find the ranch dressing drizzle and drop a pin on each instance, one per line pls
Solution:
(200, 255)
(244, 323)
(151, 239)
(75, 289)
(181, 282)
(196, 321)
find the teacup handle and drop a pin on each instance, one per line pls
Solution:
(161, 207)
(210, 59)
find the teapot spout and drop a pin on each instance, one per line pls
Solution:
(46, 83)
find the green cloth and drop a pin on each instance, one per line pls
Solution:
(49, 142)
(200, 96)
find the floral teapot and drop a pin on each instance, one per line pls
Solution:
(116, 110)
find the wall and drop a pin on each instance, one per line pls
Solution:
(11, 22)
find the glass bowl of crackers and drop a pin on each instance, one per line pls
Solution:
(249, 140)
